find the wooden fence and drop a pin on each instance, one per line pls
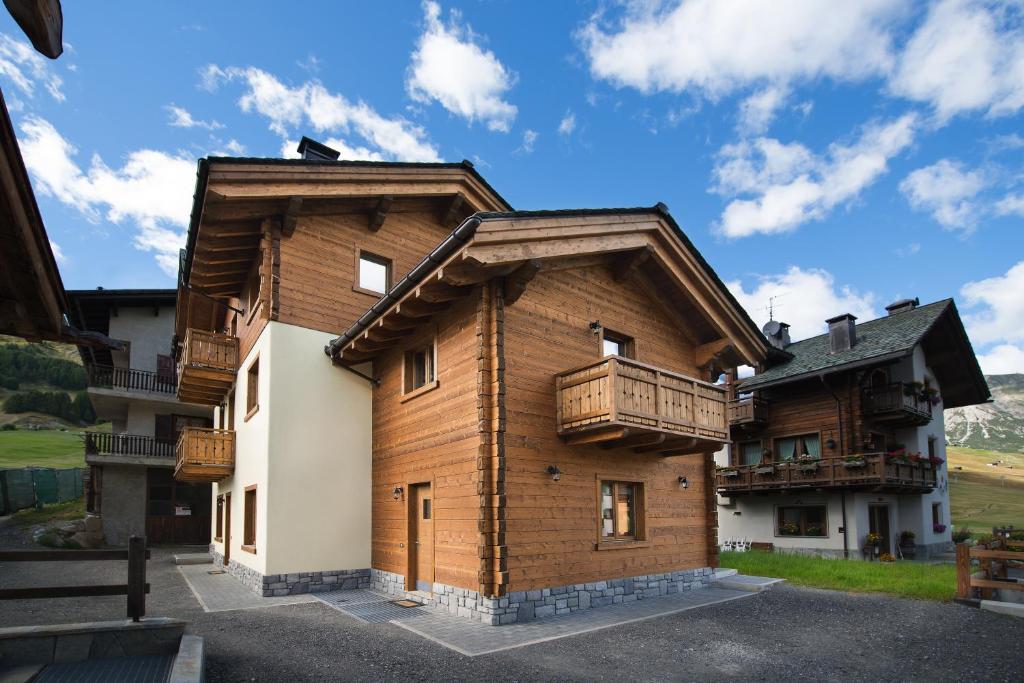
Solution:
(994, 558)
(136, 588)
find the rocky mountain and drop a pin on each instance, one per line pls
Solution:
(998, 425)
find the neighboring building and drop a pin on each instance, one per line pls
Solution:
(842, 435)
(520, 400)
(131, 468)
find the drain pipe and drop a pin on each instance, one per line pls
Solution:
(842, 494)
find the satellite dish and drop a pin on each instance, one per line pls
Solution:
(772, 328)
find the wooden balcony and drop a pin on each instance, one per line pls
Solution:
(129, 379)
(870, 471)
(204, 455)
(208, 365)
(897, 405)
(618, 402)
(752, 411)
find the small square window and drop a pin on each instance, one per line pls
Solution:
(419, 367)
(426, 508)
(615, 344)
(620, 502)
(252, 389)
(373, 273)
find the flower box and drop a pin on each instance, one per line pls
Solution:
(853, 464)
(765, 469)
(729, 473)
(808, 467)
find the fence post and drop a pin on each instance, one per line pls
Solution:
(136, 577)
(963, 571)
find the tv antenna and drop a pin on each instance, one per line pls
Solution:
(771, 305)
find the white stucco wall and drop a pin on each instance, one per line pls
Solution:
(149, 335)
(308, 451)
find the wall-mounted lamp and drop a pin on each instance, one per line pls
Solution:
(397, 493)
(555, 473)
(831, 443)
(683, 483)
(595, 327)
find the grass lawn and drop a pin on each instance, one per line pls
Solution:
(905, 579)
(42, 448)
(58, 512)
(982, 496)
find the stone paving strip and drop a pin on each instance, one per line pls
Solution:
(472, 638)
(221, 592)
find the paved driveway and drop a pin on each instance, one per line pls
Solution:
(784, 634)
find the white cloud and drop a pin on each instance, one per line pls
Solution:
(152, 189)
(947, 191)
(529, 140)
(1003, 359)
(911, 249)
(450, 67)
(759, 109)
(230, 148)
(182, 118)
(26, 68)
(967, 55)
(999, 316)
(289, 150)
(804, 299)
(58, 253)
(568, 123)
(719, 47)
(792, 185)
(287, 107)
(1011, 204)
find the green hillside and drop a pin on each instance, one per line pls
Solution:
(41, 448)
(42, 384)
(986, 488)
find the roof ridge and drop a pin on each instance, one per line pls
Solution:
(875, 320)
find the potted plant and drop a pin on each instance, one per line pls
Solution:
(789, 529)
(939, 528)
(873, 543)
(807, 463)
(908, 548)
(727, 471)
(765, 468)
(961, 535)
(886, 557)
(854, 461)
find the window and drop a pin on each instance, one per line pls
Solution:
(373, 273)
(249, 527)
(252, 389)
(426, 508)
(750, 452)
(615, 344)
(231, 410)
(931, 447)
(936, 513)
(219, 529)
(804, 445)
(804, 520)
(621, 510)
(419, 367)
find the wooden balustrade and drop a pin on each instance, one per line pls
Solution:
(749, 410)
(205, 455)
(129, 379)
(865, 471)
(898, 404)
(135, 445)
(657, 410)
(208, 365)
(993, 559)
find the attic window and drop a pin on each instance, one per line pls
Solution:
(373, 273)
(615, 344)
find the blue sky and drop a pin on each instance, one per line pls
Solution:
(835, 157)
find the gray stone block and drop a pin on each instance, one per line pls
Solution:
(517, 596)
(544, 611)
(507, 619)
(584, 600)
(534, 595)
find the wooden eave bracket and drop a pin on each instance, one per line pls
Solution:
(454, 211)
(290, 219)
(517, 281)
(380, 214)
(628, 263)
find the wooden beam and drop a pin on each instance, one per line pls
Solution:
(43, 23)
(453, 212)
(597, 437)
(439, 292)
(517, 281)
(627, 264)
(379, 214)
(644, 439)
(290, 219)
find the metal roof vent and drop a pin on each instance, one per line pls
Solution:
(316, 151)
(902, 305)
(842, 332)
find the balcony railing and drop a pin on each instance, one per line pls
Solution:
(657, 410)
(866, 471)
(899, 403)
(134, 445)
(207, 368)
(204, 455)
(749, 410)
(128, 379)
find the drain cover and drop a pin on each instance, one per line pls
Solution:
(405, 603)
(215, 571)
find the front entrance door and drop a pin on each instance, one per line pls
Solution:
(878, 516)
(421, 534)
(227, 528)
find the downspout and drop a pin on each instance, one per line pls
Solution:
(839, 420)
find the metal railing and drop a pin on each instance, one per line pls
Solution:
(129, 379)
(102, 443)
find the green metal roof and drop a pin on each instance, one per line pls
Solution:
(890, 336)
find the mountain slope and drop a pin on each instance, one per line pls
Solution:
(998, 425)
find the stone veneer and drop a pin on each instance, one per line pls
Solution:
(296, 583)
(544, 602)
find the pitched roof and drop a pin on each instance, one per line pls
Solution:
(886, 338)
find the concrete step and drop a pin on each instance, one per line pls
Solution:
(722, 573)
(193, 558)
(740, 582)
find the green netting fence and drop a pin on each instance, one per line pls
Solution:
(38, 486)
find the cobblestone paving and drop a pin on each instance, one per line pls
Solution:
(223, 592)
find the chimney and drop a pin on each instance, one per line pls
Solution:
(902, 305)
(842, 333)
(311, 149)
(777, 333)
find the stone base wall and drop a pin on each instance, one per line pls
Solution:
(271, 585)
(523, 606)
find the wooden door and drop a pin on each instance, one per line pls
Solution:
(227, 528)
(878, 516)
(421, 534)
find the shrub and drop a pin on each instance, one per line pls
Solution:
(56, 403)
(9, 427)
(1017, 535)
(961, 535)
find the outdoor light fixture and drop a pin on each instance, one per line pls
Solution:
(831, 443)
(595, 327)
(683, 484)
(397, 493)
(555, 473)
